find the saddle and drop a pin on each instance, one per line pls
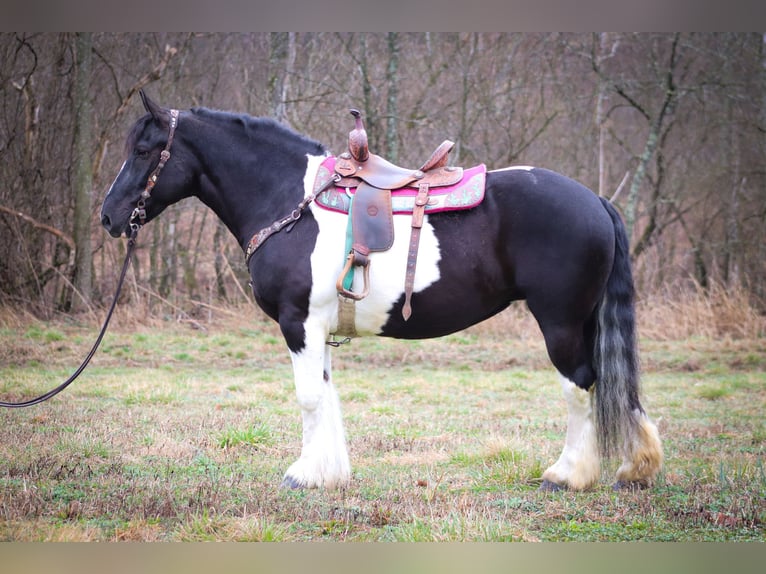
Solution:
(371, 189)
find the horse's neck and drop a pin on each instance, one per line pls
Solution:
(246, 192)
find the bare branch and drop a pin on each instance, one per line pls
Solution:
(39, 225)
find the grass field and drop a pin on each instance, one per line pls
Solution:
(182, 430)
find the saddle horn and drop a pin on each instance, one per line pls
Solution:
(357, 138)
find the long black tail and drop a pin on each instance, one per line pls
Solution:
(616, 398)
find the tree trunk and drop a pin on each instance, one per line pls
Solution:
(83, 174)
(604, 52)
(656, 126)
(218, 242)
(281, 61)
(392, 102)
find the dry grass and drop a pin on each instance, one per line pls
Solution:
(693, 312)
(676, 313)
(673, 313)
(183, 425)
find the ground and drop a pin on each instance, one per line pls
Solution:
(181, 430)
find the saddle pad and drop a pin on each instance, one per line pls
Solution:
(467, 193)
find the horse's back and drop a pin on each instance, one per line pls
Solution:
(536, 221)
(544, 200)
(537, 235)
(557, 233)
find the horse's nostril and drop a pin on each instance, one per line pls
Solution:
(105, 221)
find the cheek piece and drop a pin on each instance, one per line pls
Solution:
(139, 213)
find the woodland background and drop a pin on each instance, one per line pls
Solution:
(671, 126)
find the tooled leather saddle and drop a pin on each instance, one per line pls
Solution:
(371, 190)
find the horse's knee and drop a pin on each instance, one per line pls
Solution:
(310, 371)
(309, 395)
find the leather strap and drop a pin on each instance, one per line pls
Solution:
(259, 238)
(418, 213)
(140, 211)
(346, 317)
(89, 356)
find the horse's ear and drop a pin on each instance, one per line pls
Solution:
(151, 107)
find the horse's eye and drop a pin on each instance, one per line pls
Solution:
(141, 153)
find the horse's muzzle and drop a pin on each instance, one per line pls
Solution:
(113, 230)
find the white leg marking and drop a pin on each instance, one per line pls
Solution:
(324, 457)
(578, 467)
(642, 454)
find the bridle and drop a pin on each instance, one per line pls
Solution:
(138, 213)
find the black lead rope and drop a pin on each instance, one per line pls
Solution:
(81, 368)
(139, 213)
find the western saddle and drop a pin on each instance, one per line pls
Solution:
(371, 216)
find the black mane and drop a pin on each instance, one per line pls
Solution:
(266, 128)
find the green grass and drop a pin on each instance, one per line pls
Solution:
(256, 435)
(175, 433)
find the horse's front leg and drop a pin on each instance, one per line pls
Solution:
(324, 457)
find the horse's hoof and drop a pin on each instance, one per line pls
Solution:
(291, 483)
(548, 486)
(629, 485)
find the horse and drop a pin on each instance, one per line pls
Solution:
(537, 236)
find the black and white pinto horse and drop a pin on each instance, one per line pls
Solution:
(537, 236)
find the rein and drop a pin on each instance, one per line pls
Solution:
(81, 368)
(138, 213)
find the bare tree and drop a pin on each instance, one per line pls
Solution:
(683, 114)
(392, 100)
(658, 117)
(83, 174)
(281, 62)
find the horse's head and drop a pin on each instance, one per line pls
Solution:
(148, 181)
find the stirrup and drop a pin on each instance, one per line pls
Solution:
(350, 294)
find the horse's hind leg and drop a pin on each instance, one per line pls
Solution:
(641, 455)
(324, 457)
(578, 467)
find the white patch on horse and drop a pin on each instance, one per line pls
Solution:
(324, 460)
(387, 269)
(116, 178)
(513, 167)
(578, 467)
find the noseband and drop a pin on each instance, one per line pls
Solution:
(140, 211)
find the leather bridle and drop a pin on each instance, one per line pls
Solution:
(138, 213)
